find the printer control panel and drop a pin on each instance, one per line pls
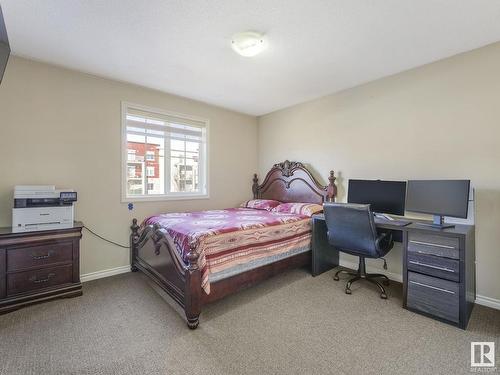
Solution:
(68, 196)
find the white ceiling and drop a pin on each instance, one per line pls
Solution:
(316, 47)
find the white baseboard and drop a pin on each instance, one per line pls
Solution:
(480, 300)
(488, 301)
(104, 273)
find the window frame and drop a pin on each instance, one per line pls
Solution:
(205, 170)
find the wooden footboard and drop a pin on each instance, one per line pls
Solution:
(153, 252)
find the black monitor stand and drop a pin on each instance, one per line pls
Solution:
(437, 222)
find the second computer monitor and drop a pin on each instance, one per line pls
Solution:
(383, 196)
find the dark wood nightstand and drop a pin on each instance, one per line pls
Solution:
(39, 266)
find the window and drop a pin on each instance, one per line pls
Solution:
(130, 155)
(131, 171)
(164, 155)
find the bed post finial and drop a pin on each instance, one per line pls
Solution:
(192, 256)
(331, 190)
(134, 227)
(255, 186)
(134, 237)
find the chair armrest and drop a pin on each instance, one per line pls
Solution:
(385, 236)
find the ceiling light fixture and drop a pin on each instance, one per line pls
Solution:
(248, 43)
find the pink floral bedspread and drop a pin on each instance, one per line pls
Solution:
(225, 238)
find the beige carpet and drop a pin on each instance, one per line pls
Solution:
(291, 324)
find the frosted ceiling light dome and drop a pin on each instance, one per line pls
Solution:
(248, 43)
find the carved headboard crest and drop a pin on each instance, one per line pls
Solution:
(288, 166)
(291, 181)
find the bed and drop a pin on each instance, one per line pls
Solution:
(200, 257)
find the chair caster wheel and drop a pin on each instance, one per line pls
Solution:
(383, 295)
(386, 282)
(336, 278)
(348, 291)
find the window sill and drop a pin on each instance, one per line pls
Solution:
(159, 198)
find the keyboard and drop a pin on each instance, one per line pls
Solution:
(396, 222)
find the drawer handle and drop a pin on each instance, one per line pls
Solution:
(38, 257)
(432, 244)
(38, 281)
(424, 252)
(432, 287)
(429, 253)
(431, 266)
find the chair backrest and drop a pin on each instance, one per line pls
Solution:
(351, 228)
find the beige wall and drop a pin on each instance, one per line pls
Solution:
(62, 127)
(438, 121)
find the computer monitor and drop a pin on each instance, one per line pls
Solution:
(4, 46)
(439, 198)
(384, 196)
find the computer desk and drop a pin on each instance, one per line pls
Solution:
(438, 267)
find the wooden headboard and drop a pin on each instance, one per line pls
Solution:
(291, 181)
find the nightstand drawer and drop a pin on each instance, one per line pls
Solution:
(434, 296)
(442, 246)
(21, 282)
(432, 265)
(39, 256)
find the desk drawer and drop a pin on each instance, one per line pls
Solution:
(434, 245)
(444, 268)
(39, 256)
(433, 296)
(21, 282)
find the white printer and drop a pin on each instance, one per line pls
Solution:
(42, 207)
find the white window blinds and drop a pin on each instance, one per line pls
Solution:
(141, 122)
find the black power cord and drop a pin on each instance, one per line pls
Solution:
(105, 239)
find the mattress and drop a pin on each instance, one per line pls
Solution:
(234, 240)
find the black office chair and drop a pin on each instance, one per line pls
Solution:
(351, 229)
